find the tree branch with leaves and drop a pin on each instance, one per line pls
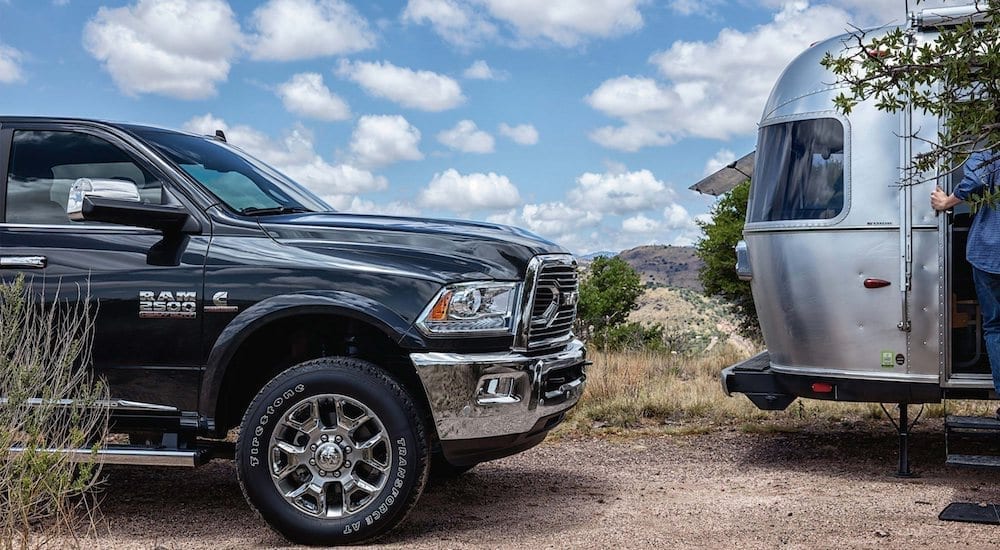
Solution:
(951, 72)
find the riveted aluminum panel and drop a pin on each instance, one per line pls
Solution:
(814, 310)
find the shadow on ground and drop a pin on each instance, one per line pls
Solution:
(183, 506)
(871, 452)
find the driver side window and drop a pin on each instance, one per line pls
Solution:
(44, 165)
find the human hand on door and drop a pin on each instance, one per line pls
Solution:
(942, 201)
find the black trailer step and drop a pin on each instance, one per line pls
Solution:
(971, 512)
(974, 461)
(758, 363)
(977, 423)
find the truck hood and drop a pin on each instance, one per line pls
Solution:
(448, 250)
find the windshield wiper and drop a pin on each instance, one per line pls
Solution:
(255, 211)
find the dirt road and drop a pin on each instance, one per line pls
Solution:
(813, 489)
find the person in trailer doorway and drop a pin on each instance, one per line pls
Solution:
(983, 248)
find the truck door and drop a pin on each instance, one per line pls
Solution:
(146, 288)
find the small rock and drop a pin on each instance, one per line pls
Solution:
(881, 534)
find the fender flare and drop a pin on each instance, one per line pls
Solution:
(263, 313)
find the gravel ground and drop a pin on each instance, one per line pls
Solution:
(817, 488)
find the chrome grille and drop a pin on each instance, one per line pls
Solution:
(551, 303)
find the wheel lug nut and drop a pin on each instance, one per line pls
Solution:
(347, 464)
(312, 447)
(347, 450)
(325, 438)
(336, 474)
(312, 461)
(322, 473)
(338, 439)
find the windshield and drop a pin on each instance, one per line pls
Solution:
(243, 183)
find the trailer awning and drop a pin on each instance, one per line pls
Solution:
(725, 179)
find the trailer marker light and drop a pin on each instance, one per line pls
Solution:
(822, 387)
(876, 283)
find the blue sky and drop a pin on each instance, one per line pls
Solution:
(582, 120)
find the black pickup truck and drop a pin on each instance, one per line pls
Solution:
(352, 352)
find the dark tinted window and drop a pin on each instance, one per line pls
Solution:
(243, 183)
(43, 166)
(800, 171)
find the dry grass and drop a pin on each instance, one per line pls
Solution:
(640, 392)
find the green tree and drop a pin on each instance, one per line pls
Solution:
(607, 295)
(955, 77)
(717, 250)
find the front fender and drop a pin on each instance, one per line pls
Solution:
(330, 302)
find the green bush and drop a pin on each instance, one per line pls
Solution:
(717, 249)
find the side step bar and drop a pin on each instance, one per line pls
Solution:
(136, 456)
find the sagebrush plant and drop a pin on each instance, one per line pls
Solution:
(50, 402)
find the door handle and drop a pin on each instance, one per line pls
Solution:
(22, 262)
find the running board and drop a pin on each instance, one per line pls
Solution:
(136, 456)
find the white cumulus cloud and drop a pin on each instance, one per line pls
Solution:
(306, 94)
(480, 70)
(567, 23)
(423, 90)
(621, 193)
(464, 193)
(286, 30)
(295, 155)
(695, 96)
(721, 159)
(176, 48)
(10, 65)
(676, 216)
(556, 221)
(640, 224)
(394, 208)
(379, 140)
(523, 134)
(467, 137)
(456, 21)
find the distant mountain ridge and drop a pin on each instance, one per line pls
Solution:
(673, 266)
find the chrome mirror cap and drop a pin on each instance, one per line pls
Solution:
(95, 188)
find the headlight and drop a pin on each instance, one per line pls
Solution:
(480, 308)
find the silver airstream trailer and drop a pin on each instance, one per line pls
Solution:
(862, 291)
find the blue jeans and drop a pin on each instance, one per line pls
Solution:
(988, 292)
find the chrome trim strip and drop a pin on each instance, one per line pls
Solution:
(76, 226)
(132, 456)
(114, 404)
(26, 262)
(856, 374)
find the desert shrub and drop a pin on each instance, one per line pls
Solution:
(50, 402)
(631, 336)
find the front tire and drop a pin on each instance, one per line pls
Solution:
(332, 451)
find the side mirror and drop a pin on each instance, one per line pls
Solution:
(118, 202)
(103, 189)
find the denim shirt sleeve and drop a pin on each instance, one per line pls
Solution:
(972, 181)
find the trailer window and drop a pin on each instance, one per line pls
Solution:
(800, 171)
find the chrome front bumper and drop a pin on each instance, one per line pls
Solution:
(481, 395)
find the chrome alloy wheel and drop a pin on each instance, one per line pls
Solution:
(329, 456)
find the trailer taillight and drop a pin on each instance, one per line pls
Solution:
(822, 387)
